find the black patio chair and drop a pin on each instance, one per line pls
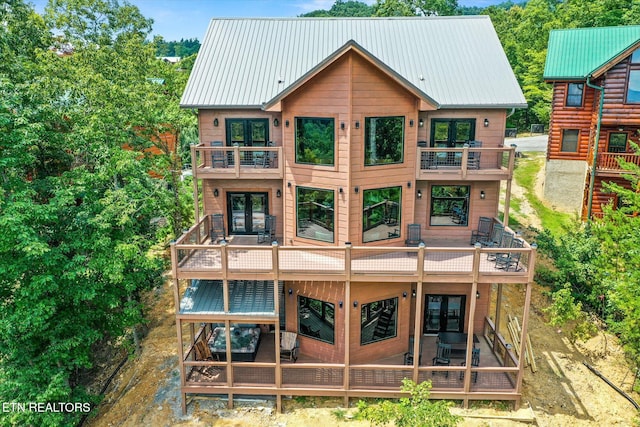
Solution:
(218, 157)
(483, 232)
(268, 234)
(217, 228)
(443, 357)
(408, 356)
(414, 235)
(475, 362)
(508, 260)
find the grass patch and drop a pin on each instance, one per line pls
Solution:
(525, 174)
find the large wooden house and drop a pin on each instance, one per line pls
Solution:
(347, 183)
(595, 114)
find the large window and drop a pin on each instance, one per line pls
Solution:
(316, 319)
(569, 141)
(378, 321)
(381, 214)
(315, 209)
(633, 87)
(574, 94)
(315, 141)
(449, 205)
(617, 142)
(384, 140)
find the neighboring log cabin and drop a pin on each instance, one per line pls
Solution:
(595, 114)
(347, 185)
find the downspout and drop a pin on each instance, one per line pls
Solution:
(592, 179)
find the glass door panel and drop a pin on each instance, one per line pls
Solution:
(258, 212)
(247, 212)
(444, 313)
(237, 206)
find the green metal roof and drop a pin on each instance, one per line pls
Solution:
(577, 53)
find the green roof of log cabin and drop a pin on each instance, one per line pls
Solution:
(448, 62)
(577, 53)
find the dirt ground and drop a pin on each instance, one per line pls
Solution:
(563, 391)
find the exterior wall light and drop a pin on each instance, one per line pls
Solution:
(357, 124)
(216, 193)
(286, 123)
(420, 122)
(278, 193)
(411, 123)
(276, 122)
(482, 194)
(357, 189)
(486, 123)
(477, 294)
(355, 304)
(419, 194)
(216, 122)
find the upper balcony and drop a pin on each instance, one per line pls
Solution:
(219, 162)
(467, 163)
(607, 163)
(194, 257)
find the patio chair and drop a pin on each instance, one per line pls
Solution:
(485, 224)
(414, 235)
(473, 162)
(443, 357)
(203, 354)
(506, 242)
(475, 362)
(218, 157)
(289, 345)
(268, 234)
(217, 228)
(494, 238)
(508, 260)
(408, 356)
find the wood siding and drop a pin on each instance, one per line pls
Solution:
(615, 111)
(326, 95)
(376, 95)
(563, 117)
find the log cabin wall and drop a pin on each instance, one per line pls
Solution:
(563, 117)
(615, 111)
(601, 196)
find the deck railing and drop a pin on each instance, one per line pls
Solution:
(609, 161)
(194, 258)
(339, 379)
(463, 162)
(237, 162)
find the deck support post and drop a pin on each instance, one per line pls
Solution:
(347, 319)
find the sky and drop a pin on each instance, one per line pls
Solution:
(188, 19)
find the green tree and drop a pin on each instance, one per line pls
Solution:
(414, 411)
(78, 202)
(341, 8)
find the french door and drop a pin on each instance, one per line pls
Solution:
(444, 313)
(451, 133)
(247, 133)
(247, 212)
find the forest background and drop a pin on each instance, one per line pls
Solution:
(93, 145)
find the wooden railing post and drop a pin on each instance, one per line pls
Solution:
(236, 160)
(347, 316)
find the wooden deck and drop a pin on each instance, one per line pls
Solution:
(400, 264)
(308, 376)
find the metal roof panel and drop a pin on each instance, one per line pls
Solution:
(453, 60)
